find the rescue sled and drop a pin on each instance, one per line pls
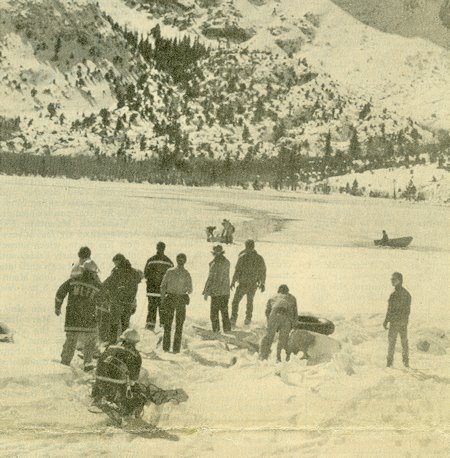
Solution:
(315, 324)
(401, 242)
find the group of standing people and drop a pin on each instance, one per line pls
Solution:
(99, 311)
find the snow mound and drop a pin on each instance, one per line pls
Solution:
(432, 340)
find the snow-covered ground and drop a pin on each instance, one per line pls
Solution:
(321, 246)
(430, 180)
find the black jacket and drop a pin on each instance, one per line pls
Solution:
(119, 363)
(250, 269)
(81, 303)
(399, 307)
(154, 272)
(121, 288)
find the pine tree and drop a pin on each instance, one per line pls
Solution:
(279, 131)
(57, 48)
(259, 111)
(246, 134)
(328, 148)
(119, 125)
(355, 147)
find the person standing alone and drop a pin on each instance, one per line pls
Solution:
(218, 288)
(250, 274)
(154, 272)
(397, 316)
(175, 289)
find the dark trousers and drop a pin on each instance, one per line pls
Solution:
(241, 291)
(154, 306)
(394, 330)
(220, 304)
(118, 324)
(173, 308)
(277, 322)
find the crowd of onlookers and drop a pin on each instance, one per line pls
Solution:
(98, 312)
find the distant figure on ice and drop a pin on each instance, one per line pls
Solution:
(250, 273)
(120, 289)
(282, 314)
(175, 289)
(218, 288)
(84, 263)
(399, 307)
(210, 236)
(6, 335)
(117, 390)
(227, 232)
(384, 238)
(80, 322)
(154, 272)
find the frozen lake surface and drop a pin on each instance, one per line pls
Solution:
(321, 246)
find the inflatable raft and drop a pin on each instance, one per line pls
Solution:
(313, 323)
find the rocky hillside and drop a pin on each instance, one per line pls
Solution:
(195, 78)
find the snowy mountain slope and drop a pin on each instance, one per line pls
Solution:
(87, 90)
(429, 19)
(409, 75)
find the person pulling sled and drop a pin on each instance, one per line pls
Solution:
(117, 391)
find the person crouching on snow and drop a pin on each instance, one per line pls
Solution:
(282, 314)
(80, 321)
(117, 390)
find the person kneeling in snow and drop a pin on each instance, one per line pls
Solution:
(282, 314)
(117, 390)
(80, 322)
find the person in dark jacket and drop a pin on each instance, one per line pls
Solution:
(250, 273)
(120, 290)
(117, 390)
(218, 288)
(281, 314)
(397, 317)
(80, 322)
(154, 272)
(175, 289)
(227, 232)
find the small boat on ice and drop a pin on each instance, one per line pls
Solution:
(401, 242)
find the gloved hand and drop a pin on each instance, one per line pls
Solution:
(205, 296)
(57, 311)
(262, 288)
(385, 325)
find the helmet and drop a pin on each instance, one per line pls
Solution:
(130, 336)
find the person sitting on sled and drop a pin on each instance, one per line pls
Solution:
(117, 390)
